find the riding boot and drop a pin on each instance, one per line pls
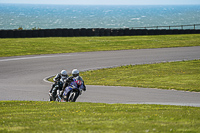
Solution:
(52, 88)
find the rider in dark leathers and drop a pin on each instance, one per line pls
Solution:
(59, 80)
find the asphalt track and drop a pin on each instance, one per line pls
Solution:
(22, 77)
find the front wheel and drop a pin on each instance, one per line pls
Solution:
(58, 98)
(73, 96)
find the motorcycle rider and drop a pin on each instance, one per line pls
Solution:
(59, 80)
(73, 80)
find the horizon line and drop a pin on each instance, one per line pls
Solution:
(101, 4)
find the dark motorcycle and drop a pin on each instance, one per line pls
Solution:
(55, 96)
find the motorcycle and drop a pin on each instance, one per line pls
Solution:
(57, 95)
(72, 92)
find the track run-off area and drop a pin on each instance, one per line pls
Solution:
(23, 77)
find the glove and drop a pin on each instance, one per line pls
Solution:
(70, 79)
(50, 93)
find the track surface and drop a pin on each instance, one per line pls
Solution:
(22, 77)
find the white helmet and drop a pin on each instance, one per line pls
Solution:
(75, 72)
(63, 73)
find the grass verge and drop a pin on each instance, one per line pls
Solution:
(29, 116)
(182, 75)
(34, 46)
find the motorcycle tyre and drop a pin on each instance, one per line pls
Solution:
(73, 96)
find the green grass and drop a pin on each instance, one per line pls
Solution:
(29, 116)
(34, 46)
(182, 75)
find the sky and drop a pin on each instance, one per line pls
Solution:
(107, 2)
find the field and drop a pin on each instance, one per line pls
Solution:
(29, 116)
(38, 116)
(35, 46)
(182, 75)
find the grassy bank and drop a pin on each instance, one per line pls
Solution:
(33, 46)
(183, 75)
(22, 116)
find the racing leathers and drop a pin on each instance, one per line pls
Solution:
(59, 81)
